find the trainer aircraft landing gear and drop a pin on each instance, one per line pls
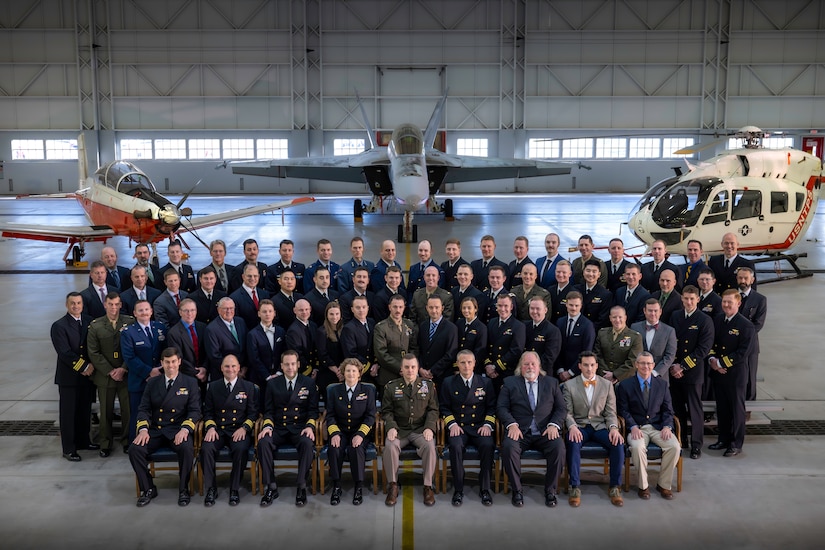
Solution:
(77, 249)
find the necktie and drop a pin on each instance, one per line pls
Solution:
(142, 294)
(177, 300)
(588, 383)
(570, 324)
(255, 298)
(289, 387)
(615, 269)
(209, 297)
(222, 274)
(467, 383)
(727, 264)
(646, 393)
(663, 298)
(228, 387)
(484, 264)
(116, 277)
(324, 294)
(532, 395)
(150, 274)
(102, 291)
(367, 328)
(544, 269)
(169, 385)
(180, 272)
(234, 332)
(433, 326)
(627, 296)
(148, 332)
(349, 395)
(687, 272)
(194, 336)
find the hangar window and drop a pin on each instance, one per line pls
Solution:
(581, 148)
(272, 149)
(136, 148)
(238, 149)
(780, 142)
(348, 146)
(27, 149)
(541, 148)
(671, 145)
(644, 148)
(60, 149)
(204, 149)
(474, 147)
(170, 149)
(611, 148)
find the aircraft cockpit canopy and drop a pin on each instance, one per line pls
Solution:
(124, 177)
(407, 140)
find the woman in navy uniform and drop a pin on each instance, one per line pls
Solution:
(472, 333)
(328, 343)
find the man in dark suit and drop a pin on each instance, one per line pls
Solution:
(643, 400)
(488, 259)
(143, 258)
(140, 290)
(117, 276)
(289, 418)
(558, 292)
(169, 409)
(689, 272)
(694, 338)
(541, 335)
(229, 414)
(359, 282)
(465, 289)
(658, 338)
(320, 293)
(188, 336)
(286, 250)
(300, 338)
(728, 359)
(416, 276)
(357, 335)
(669, 299)
(248, 295)
(223, 270)
(437, 343)
(324, 250)
(531, 408)
(207, 295)
(726, 265)
(754, 307)
(546, 265)
(596, 299)
(265, 342)
(651, 271)
(616, 265)
(633, 295)
(391, 285)
(225, 335)
(454, 260)
(350, 419)
(387, 259)
(285, 299)
(468, 406)
(94, 295)
(166, 305)
(577, 335)
(250, 253)
(188, 283)
(72, 374)
(141, 344)
(506, 338)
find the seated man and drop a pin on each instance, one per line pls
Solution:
(531, 407)
(468, 405)
(409, 408)
(644, 402)
(591, 416)
(229, 413)
(169, 409)
(289, 417)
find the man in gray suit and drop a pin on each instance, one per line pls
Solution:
(658, 338)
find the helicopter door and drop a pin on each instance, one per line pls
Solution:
(747, 218)
(719, 208)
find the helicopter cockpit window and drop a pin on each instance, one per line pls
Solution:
(718, 211)
(746, 204)
(779, 202)
(682, 204)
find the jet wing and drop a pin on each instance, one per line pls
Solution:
(338, 168)
(466, 168)
(56, 234)
(209, 220)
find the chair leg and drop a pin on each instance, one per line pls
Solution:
(321, 476)
(626, 473)
(375, 476)
(496, 467)
(313, 475)
(679, 475)
(137, 487)
(200, 480)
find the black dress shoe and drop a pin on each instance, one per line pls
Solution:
(518, 499)
(92, 447)
(334, 498)
(458, 498)
(269, 496)
(104, 453)
(183, 498)
(486, 497)
(211, 495)
(301, 497)
(126, 449)
(234, 498)
(357, 497)
(95, 419)
(147, 496)
(695, 453)
(550, 500)
(732, 451)
(72, 456)
(718, 446)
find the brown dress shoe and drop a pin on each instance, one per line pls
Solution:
(616, 496)
(575, 497)
(392, 494)
(667, 494)
(429, 495)
(644, 494)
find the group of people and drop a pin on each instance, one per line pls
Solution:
(554, 350)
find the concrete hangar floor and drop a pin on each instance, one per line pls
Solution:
(768, 497)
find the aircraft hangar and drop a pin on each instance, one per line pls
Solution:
(185, 88)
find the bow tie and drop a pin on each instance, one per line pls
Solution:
(588, 383)
(653, 327)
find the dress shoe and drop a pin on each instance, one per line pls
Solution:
(644, 494)
(211, 495)
(709, 416)
(392, 494)
(183, 498)
(550, 500)
(104, 453)
(486, 497)
(92, 447)
(575, 497)
(357, 497)
(615, 494)
(95, 419)
(147, 496)
(695, 453)
(234, 498)
(518, 499)
(732, 451)
(72, 456)
(458, 498)
(718, 446)
(429, 496)
(126, 449)
(667, 494)
(335, 497)
(269, 496)
(301, 497)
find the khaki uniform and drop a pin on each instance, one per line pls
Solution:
(390, 344)
(617, 354)
(410, 409)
